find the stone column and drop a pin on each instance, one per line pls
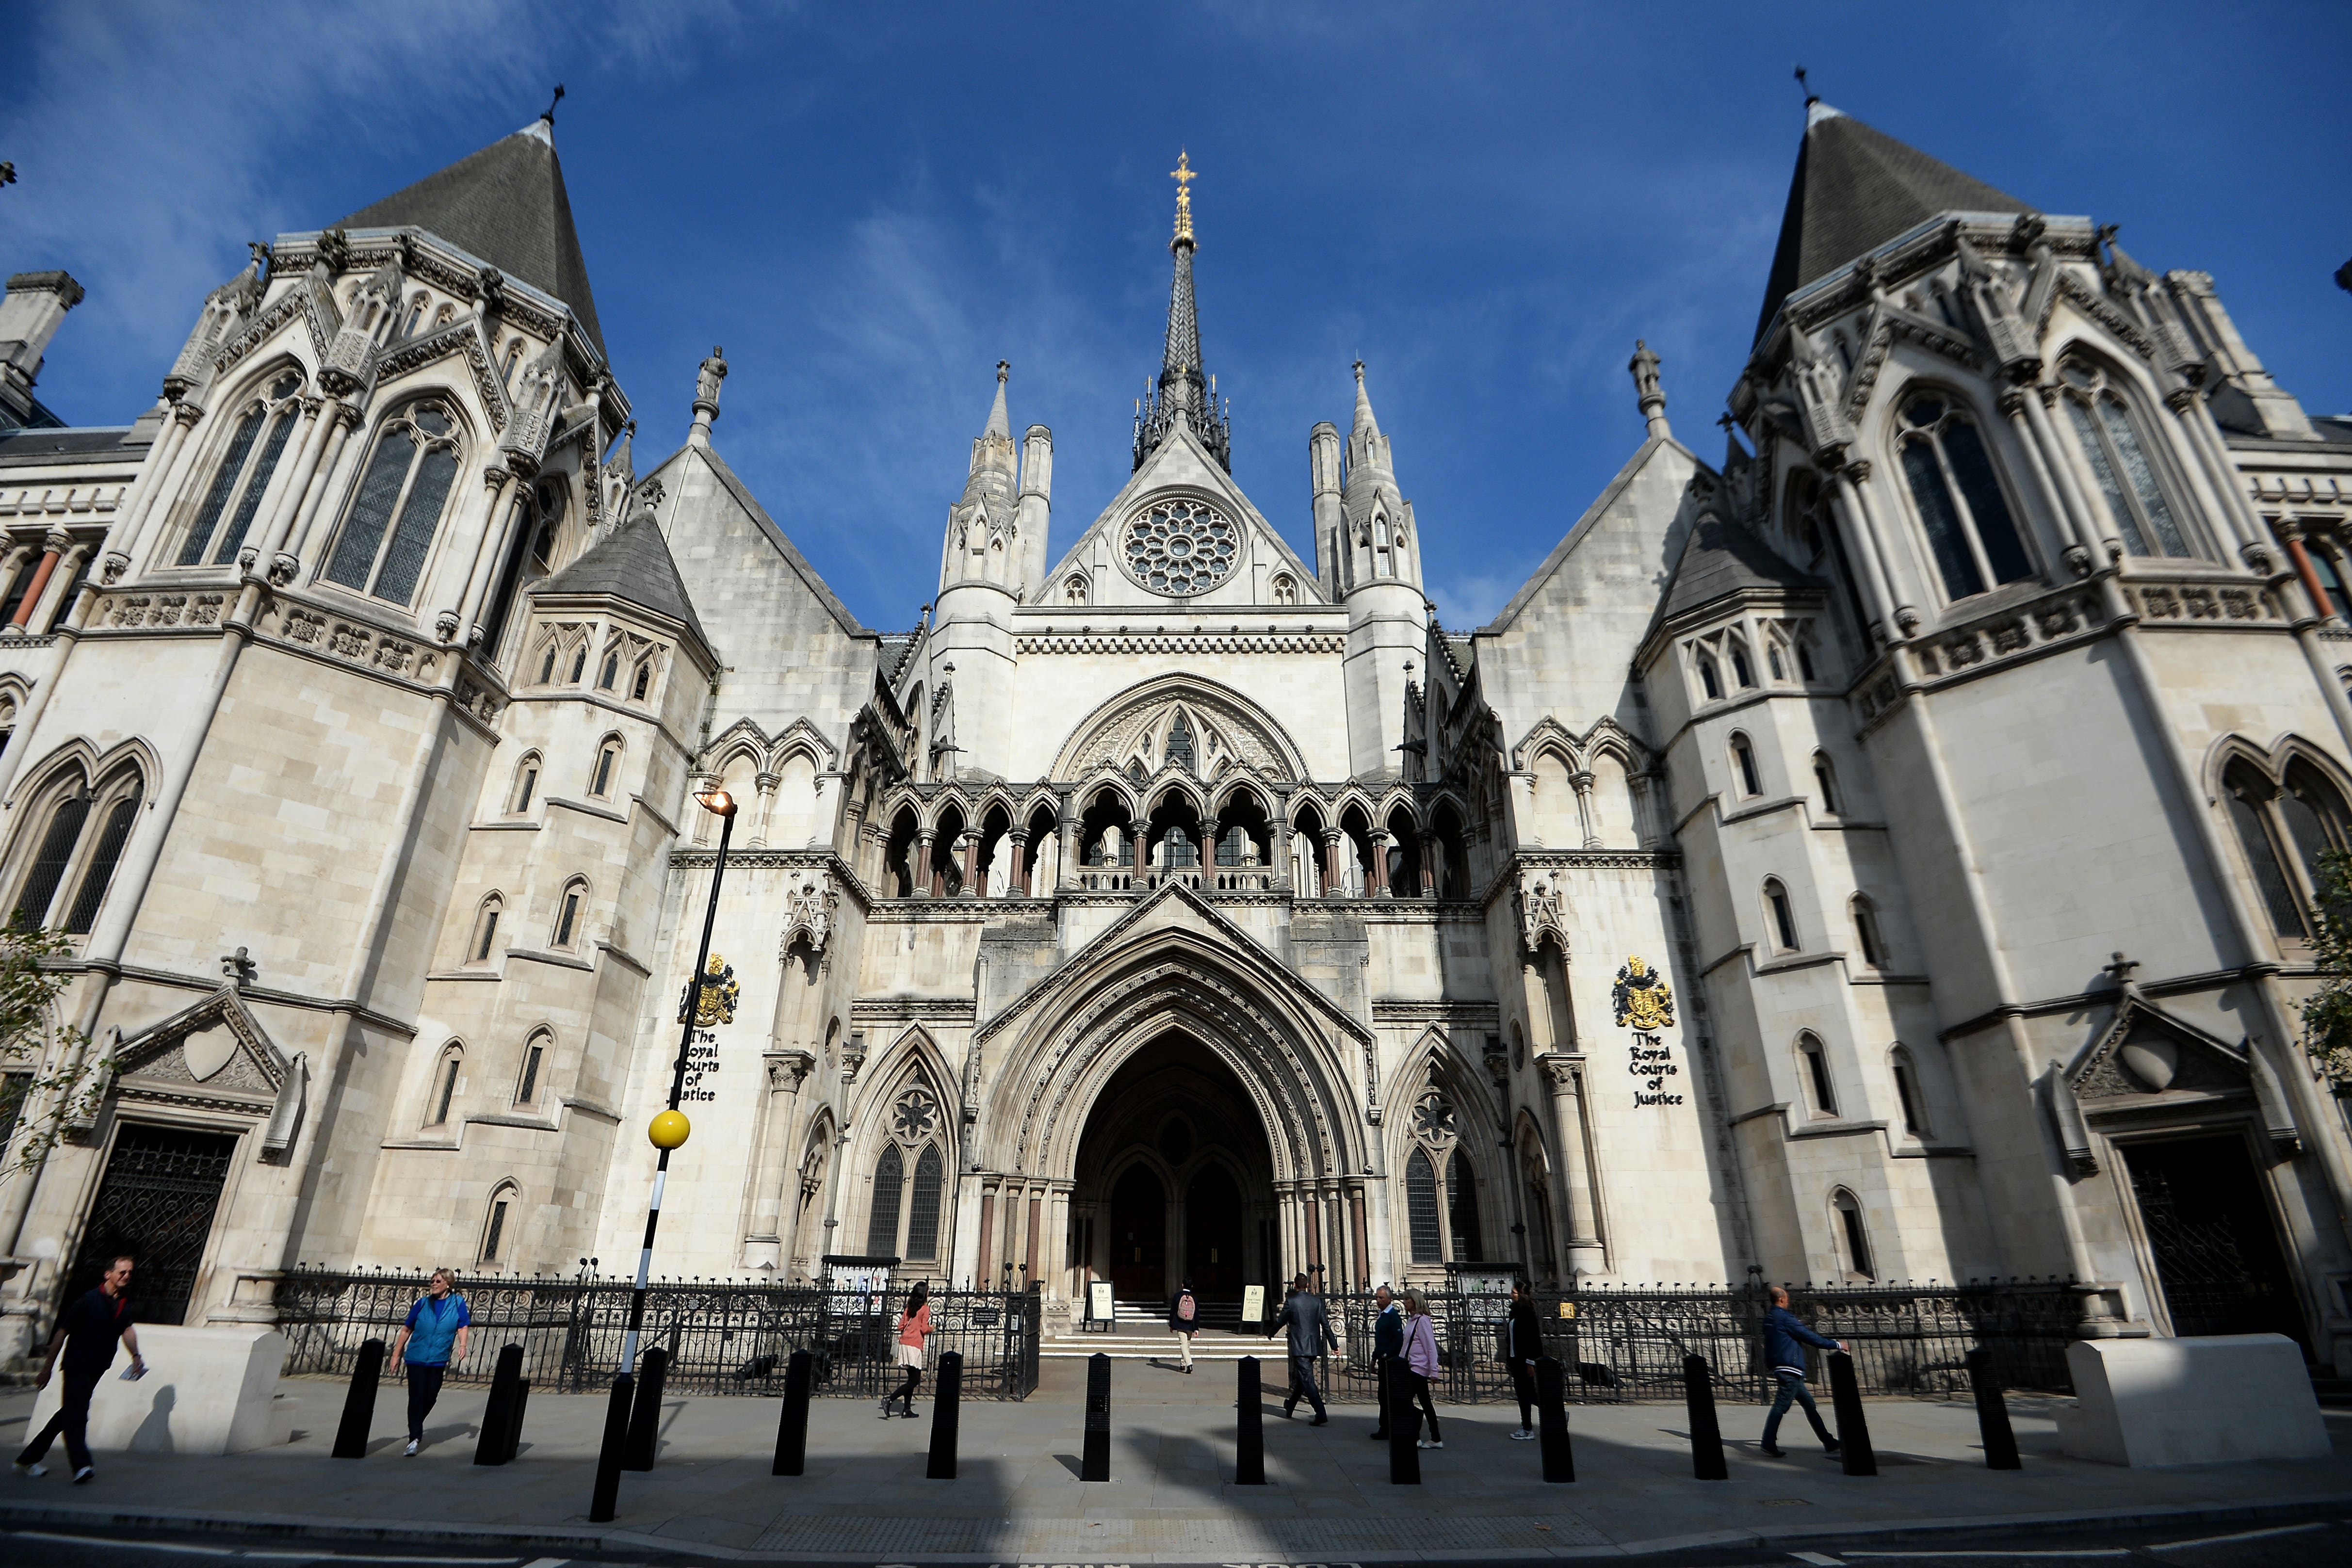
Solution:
(1846, 507)
(51, 548)
(968, 857)
(764, 785)
(1065, 874)
(1363, 1262)
(762, 1243)
(2082, 546)
(1376, 872)
(306, 523)
(1281, 842)
(290, 483)
(1565, 1077)
(983, 1266)
(154, 475)
(1581, 782)
(928, 880)
(1016, 882)
(498, 520)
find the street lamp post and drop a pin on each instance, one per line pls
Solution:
(669, 1127)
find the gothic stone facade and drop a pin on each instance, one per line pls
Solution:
(1882, 855)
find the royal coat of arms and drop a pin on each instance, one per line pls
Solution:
(1643, 999)
(716, 1005)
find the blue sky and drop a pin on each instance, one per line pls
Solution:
(868, 206)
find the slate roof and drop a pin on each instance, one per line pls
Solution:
(1719, 558)
(1855, 188)
(632, 563)
(506, 204)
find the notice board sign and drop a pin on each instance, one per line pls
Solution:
(1254, 1306)
(1100, 1307)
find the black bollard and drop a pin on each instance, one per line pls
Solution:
(946, 1386)
(791, 1427)
(1992, 1414)
(608, 1495)
(1706, 1433)
(514, 1425)
(359, 1404)
(1853, 1432)
(495, 1445)
(1095, 1464)
(1551, 1418)
(1249, 1427)
(645, 1421)
(1404, 1458)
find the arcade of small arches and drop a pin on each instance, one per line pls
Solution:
(1120, 833)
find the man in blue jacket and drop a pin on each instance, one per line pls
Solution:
(1783, 1333)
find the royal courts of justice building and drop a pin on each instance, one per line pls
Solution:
(1883, 851)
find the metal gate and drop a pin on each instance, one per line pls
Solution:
(156, 1204)
(2216, 1250)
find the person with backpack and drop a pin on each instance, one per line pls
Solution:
(914, 1329)
(439, 1323)
(86, 1333)
(1183, 1321)
(1522, 1347)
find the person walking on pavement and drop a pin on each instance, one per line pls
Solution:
(1522, 1347)
(1388, 1344)
(1783, 1333)
(914, 1329)
(1421, 1368)
(439, 1323)
(1183, 1321)
(86, 1333)
(1311, 1333)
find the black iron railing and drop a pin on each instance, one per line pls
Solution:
(1623, 1345)
(722, 1337)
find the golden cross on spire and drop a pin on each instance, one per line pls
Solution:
(1183, 175)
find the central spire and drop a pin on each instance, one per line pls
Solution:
(1183, 393)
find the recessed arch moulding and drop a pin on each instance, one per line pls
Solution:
(1174, 969)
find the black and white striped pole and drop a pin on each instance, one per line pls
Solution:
(670, 1127)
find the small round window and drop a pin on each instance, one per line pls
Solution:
(1181, 546)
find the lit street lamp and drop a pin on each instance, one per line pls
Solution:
(669, 1128)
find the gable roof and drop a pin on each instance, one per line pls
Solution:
(1854, 189)
(632, 563)
(772, 530)
(506, 204)
(1580, 531)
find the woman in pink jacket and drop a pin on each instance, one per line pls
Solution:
(1421, 1366)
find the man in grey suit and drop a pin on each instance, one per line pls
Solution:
(1310, 1334)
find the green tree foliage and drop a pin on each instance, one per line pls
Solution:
(2327, 1011)
(48, 1081)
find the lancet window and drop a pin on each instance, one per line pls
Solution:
(909, 1179)
(243, 476)
(1970, 531)
(72, 865)
(2119, 461)
(402, 494)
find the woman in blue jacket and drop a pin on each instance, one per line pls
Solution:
(1783, 1333)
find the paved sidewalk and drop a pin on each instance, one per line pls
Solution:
(1170, 1498)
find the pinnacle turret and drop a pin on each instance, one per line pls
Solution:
(1184, 394)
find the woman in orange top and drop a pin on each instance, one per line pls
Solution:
(914, 1328)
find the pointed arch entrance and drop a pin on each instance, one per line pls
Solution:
(1283, 1080)
(1173, 1181)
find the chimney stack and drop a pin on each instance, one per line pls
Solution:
(36, 303)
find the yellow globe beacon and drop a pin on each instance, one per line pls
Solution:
(668, 1130)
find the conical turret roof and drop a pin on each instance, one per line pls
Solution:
(1855, 188)
(632, 563)
(506, 204)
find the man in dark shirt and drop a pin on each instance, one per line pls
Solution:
(1387, 1343)
(87, 1331)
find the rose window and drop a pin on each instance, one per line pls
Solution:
(1181, 546)
(915, 1114)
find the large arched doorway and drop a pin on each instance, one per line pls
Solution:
(1174, 1180)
